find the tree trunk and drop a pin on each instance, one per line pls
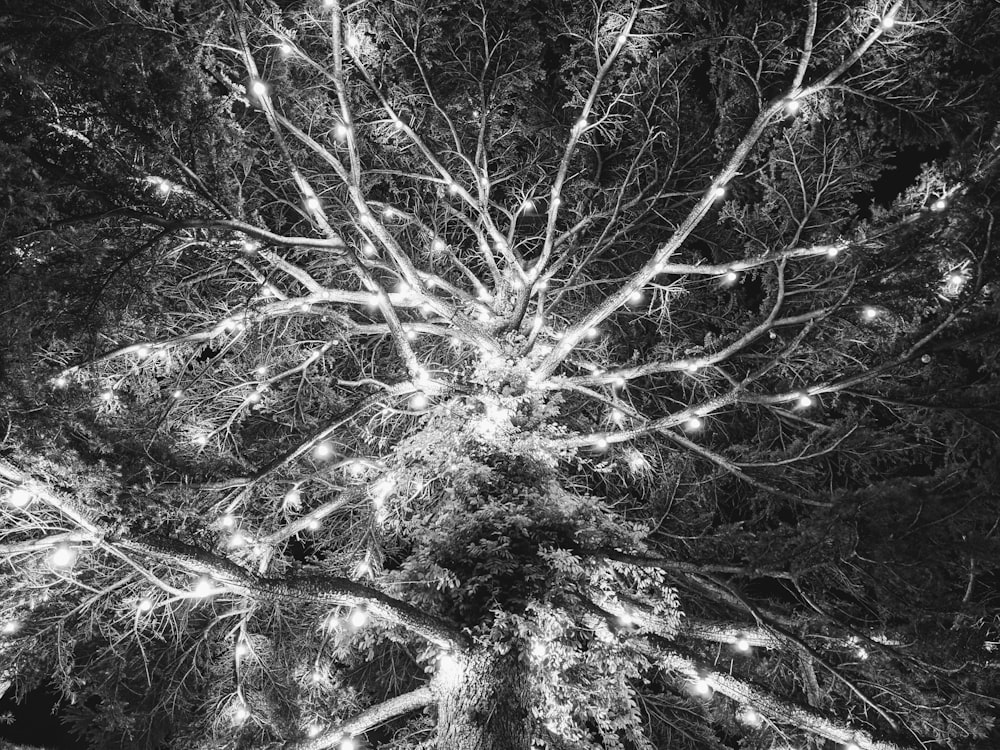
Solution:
(483, 703)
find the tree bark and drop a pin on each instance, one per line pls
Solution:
(483, 703)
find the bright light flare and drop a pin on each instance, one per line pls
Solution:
(19, 497)
(63, 556)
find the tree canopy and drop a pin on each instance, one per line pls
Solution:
(502, 375)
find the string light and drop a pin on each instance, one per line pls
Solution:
(438, 245)
(939, 205)
(694, 423)
(741, 644)
(636, 461)
(528, 206)
(600, 443)
(348, 743)
(636, 298)
(314, 524)
(237, 540)
(107, 395)
(731, 278)
(852, 746)
(63, 556)
(323, 450)
(200, 439)
(418, 401)
(792, 106)
(580, 125)
(832, 251)
(340, 131)
(145, 604)
(617, 416)
(203, 587)
(312, 203)
(259, 89)
(19, 497)
(359, 617)
(228, 521)
(593, 333)
(241, 714)
(750, 717)
(805, 401)
(285, 48)
(870, 313)
(719, 193)
(888, 22)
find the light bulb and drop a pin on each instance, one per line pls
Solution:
(805, 401)
(452, 187)
(142, 352)
(593, 333)
(259, 89)
(750, 717)
(145, 604)
(636, 461)
(832, 251)
(348, 743)
(314, 524)
(228, 521)
(176, 394)
(556, 201)
(862, 653)
(293, 498)
(870, 313)
(358, 618)
(694, 423)
(622, 38)
(254, 397)
(701, 686)
(626, 619)
(528, 206)
(636, 298)
(203, 587)
(741, 644)
(617, 416)
(580, 125)
(719, 193)
(792, 106)
(19, 497)
(323, 451)
(63, 556)
(600, 443)
(285, 48)
(418, 400)
(363, 568)
(732, 277)
(939, 205)
(312, 203)
(340, 131)
(888, 22)
(852, 746)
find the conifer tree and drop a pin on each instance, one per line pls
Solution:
(502, 375)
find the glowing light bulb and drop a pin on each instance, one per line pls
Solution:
(452, 187)
(358, 618)
(348, 743)
(254, 397)
(750, 717)
(580, 125)
(142, 352)
(600, 443)
(832, 251)
(259, 89)
(694, 423)
(19, 497)
(805, 401)
(617, 416)
(556, 201)
(692, 366)
(203, 587)
(312, 203)
(177, 393)
(418, 400)
(438, 245)
(108, 395)
(719, 193)
(622, 38)
(701, 686)
(792, 106)
(10, 627)
(61, 381)
(870, 313)
(314, 524)
(285, 48)
(528, 206)
(741, 644)
(228, 521)
(145, 604)
(340, 131)
(939, 205)
(593, 333)
(63, 556)
(888, 22)
(636, 298)
(241, 714)
(731, 278)
(323, 451)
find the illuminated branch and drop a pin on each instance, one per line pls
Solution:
(368, 719)
(328, 590)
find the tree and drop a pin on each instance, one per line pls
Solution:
(502, 374)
